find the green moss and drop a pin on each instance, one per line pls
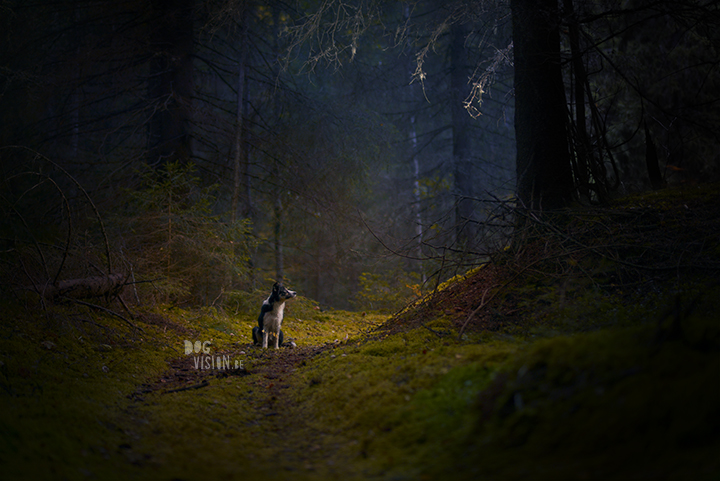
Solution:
(71, 406)
(647, 402)
(403, 397)
(593, 380)
(63, 378)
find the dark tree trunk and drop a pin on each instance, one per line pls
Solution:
(651, 160)
(544, 174)
(582, 142)
(279, 260)
(170, 87)
(411, 93)
(464, 183)
(240, 151)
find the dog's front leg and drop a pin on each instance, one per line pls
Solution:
(265, 339)
(277, 340)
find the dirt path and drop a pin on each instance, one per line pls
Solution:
(301, 445)
(291, 440)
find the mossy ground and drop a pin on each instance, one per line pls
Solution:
(584, 367)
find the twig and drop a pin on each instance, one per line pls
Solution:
(82, 189)
(105, 309)
(483, 303)
(437, 333)
(126, 283)
(617, 260)
(188, 388)
(92, 322)
(65, 203)
(35, 242)
(122, 302)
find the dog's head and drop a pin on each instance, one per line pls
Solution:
(282, 293)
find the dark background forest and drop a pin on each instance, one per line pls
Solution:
(360, 151)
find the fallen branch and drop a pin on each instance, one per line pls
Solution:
(105, 309)
(437, 333)
(38, 155)
(83, 288)
(188, 388)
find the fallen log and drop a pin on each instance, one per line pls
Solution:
(87, 287)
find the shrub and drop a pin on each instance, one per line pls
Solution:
(172, 235)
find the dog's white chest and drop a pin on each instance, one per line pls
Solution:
(273, 319)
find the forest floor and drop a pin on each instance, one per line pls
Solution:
(591, 351)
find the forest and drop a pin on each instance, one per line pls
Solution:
(200, 148)
(489, 209)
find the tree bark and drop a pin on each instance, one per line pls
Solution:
(464, 181)
(238, 170)
(651, 161)
(582, 144)
(279, 268)
(170, 86)
(413, 151)
(544, 174)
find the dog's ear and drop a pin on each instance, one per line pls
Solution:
(276, 287)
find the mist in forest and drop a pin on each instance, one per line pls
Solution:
(360, 151)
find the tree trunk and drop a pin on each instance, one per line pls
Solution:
(417, 198)
(582, 143)
(651, 161)
(238, 170)
(412, 134)
(544, 175)
(170, 87)
(464, 181)
(279, 269)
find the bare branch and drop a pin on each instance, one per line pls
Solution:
(38, 155)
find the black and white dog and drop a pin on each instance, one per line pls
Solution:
(271, 316)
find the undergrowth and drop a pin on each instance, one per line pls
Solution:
(577, 357)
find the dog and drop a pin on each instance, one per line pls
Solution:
(271, 316)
